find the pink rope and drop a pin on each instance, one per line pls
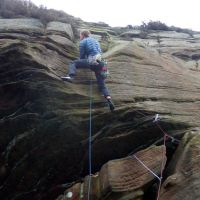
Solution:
(162, 167)
(166, 136)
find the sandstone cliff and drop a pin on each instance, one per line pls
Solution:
(44, 121)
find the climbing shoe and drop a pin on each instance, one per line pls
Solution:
(67, 78)
(111, 105)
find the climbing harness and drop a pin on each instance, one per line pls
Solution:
(103, 71)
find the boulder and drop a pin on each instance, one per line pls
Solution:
(183, 178)
(124, 178)
(60, 28)
(28, 26)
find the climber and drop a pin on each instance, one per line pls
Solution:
(90, 58)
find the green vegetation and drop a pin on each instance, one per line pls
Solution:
(157, 25)
(25, 8)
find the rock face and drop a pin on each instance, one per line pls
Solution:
(121, 178)
(44, 121)
(183, 181)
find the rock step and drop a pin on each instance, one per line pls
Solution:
(119, 178)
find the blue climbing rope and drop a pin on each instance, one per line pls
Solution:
(90, 140)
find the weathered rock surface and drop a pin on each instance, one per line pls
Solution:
(182, 45)
(121, 178)
(183, 181)
(44, 121)
(27, 26)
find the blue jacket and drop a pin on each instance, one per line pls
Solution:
(89, 47)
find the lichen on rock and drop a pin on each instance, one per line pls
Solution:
(44, 121)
